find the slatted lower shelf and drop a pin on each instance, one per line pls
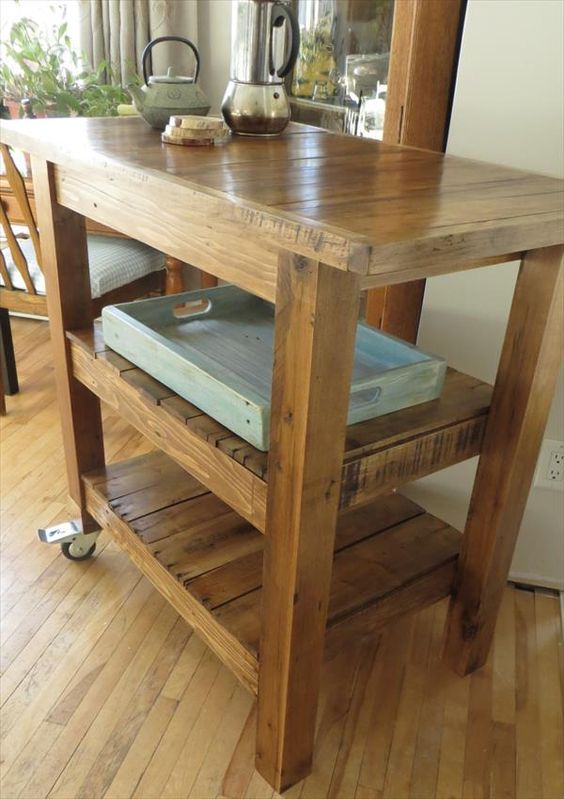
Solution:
(391, 557)
(380, 454)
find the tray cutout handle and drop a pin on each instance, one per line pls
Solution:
(192, 309)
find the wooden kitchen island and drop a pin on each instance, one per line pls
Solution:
(265, 556)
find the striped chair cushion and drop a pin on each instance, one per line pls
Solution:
(114, 262)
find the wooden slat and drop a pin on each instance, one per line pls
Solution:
(22, 302)
(16, 252)
(207, 560)
(525, 381)
(241, 489)
(372, 474)
(391, 573)
(380, 454)
(225, 645)
(216, 587)
(195, 204)
(5, 274)
(17, 184)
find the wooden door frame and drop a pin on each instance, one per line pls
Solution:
(424, 51)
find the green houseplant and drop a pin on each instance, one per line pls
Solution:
(43, 67)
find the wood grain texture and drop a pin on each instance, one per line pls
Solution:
(109, 511)
(521, 400)
(380, 454)
(315, 326)
(394, 212)
(17, 184)
(423, 59)
(218, 355)
(227, 478)
(22, 302)
(65, 264)
(388, 712)
(389, 558)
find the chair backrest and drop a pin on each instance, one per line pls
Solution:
(17, 185)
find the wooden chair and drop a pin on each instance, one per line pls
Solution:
(121, 269)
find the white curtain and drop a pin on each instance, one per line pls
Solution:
(116, 31)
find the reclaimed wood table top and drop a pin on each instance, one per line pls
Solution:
(392, 212)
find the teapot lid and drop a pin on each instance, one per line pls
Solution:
(170, 77)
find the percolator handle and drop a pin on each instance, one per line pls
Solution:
(280, 14)
(160, 39)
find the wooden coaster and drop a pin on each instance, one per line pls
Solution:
(196, 122)
(194, 133)
(186, 142)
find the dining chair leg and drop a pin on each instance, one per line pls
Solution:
(7, 358)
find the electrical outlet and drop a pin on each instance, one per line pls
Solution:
(550, 465)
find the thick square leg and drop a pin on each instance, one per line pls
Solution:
(316, 314)
(65, 264)
(523, 392)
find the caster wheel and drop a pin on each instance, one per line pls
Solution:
(73, 551)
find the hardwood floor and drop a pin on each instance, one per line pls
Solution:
(106, 693)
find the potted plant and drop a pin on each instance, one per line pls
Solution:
(43, 67)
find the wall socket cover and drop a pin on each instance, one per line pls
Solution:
(550, 466)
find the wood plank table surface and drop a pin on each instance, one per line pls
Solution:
(305, 545)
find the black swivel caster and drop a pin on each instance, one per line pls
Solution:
(75, 545)
(73, 551)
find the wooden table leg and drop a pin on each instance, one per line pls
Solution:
(65, 265)
(316, 314)
(521, 401)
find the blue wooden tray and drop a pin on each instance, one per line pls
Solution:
(214, 348)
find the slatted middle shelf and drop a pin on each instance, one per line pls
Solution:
(380, 454)
(390, 556)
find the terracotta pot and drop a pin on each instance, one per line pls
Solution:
(13, 107)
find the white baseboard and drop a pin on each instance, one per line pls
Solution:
(536, 580)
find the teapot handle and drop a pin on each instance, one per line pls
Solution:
(160, 39)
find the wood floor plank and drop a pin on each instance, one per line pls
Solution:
(528, 780)
(240, 770)
(201, 738)
(397, 784)
(116, 748)
(390, 672)
(37, 629)
(35, 696)
(107, 692)
(208, 781)
(48, 770)
(450, 778)
(428, 746)
(479, 736)
(551, 727)
(171, 744)
(134, 763)
(102, 729)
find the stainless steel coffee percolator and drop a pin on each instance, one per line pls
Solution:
(265, 39)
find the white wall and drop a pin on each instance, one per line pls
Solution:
(508, 109)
